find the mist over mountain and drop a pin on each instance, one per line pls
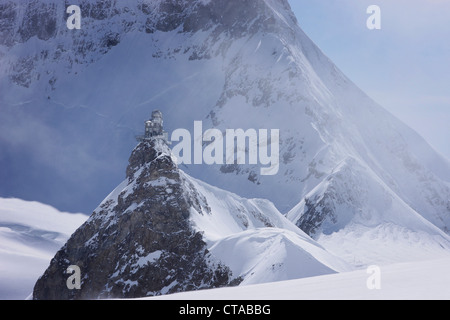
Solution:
(73, 100)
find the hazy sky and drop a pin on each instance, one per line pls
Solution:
(405, 66)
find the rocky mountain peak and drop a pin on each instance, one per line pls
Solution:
(139, 241)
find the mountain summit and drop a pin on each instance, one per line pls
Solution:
(139, 241)
(127, 57)
(160, 232)
(346, 164)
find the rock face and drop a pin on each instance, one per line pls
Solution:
(46, 20)
(139, 241)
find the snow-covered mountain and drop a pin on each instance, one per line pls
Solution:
(30, 234)
(235, 64)
(256, 241)
(160, 231)
(357, 217)
(365, 186)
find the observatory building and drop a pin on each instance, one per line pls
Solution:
(154, 128)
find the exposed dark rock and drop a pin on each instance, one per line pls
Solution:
(8, 15)
(316, 212)
(40, 21)
(139, 242)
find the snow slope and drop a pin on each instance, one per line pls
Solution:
(256, 241)
(273, 254)
(356, 216)
(424, 280)
(250, 236)
(231, 213)
(30, 234)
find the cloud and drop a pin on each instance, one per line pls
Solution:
(404, 66)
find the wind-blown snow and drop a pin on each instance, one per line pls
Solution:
(262, 67)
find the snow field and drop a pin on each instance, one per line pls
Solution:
(424, 280)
